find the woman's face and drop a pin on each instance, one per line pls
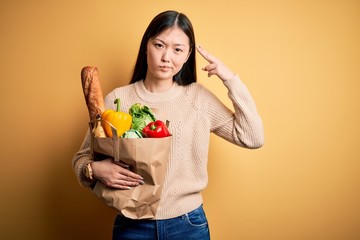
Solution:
(167, 53)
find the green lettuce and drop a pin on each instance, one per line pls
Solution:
(132, 133)
(141, 116)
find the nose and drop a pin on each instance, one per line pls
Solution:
(165, 56)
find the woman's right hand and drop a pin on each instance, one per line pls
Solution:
(114, 175)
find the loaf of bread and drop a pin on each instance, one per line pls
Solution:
(92, 91)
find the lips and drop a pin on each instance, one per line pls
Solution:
(165, 68)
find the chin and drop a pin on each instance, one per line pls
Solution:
(165, 76)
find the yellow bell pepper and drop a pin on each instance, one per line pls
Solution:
(121, 121)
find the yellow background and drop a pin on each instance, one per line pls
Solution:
(299, 59)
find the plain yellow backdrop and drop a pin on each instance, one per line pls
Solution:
(299, 59)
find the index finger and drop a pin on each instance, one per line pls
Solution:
(208, 57)
(132, 175)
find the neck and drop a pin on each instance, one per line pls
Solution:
(157, 85)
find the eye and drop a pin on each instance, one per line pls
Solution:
(158, 45)
(179, 50)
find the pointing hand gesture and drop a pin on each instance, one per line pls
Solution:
(215, 67)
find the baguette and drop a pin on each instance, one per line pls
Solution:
(92, 91)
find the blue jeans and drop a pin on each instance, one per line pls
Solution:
(192, 225)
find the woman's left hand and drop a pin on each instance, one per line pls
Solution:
(216, 67)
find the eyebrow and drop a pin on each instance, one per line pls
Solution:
(176, 44)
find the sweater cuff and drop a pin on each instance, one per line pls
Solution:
(235, 80)
(83, 180)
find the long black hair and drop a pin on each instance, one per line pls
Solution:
(160, 23)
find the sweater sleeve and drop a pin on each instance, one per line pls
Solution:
(80, 160)
(244, 126)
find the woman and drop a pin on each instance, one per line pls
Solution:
(164, 79)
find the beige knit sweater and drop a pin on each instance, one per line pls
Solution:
(193, 112)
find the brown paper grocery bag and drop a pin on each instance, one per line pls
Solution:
(146, 156)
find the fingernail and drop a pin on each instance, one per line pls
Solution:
(142, 182)
(128, 188)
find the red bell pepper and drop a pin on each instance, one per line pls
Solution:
(156, 129)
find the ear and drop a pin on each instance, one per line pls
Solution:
(188, 55)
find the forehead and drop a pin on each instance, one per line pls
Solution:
(173, 35)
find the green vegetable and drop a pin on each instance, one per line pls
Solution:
(132, 134)
(141, 116)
